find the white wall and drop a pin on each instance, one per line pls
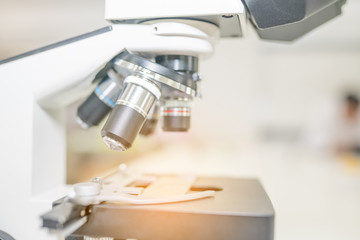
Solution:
(250, 84)
(27, 25)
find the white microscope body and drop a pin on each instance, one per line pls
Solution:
(37, 87)
(41, 85)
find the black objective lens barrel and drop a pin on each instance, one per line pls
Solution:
(149, 127)
(175, 124)
(176, 113)
(95, 108)
(151, 122)
(175, 119)
(122, 127)
(92, 111)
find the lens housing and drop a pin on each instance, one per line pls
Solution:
(130, 111)
(176, 105)
(100, 102)
(176, 113)
(151, 121)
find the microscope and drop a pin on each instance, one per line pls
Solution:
(144, 67)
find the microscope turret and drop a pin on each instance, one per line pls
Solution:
(170, 84)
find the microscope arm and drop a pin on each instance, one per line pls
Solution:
(62, 68)
(36, 89)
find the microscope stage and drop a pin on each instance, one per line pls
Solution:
(240, 209)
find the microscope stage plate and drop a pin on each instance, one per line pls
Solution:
(240, 209)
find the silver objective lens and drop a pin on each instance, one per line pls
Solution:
(130, 111)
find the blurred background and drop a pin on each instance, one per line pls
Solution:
(285, 113)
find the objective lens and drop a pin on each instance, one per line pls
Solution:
(94, 109)
(151, 122)
(176, 114)
(176, 106)
(130, 111)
